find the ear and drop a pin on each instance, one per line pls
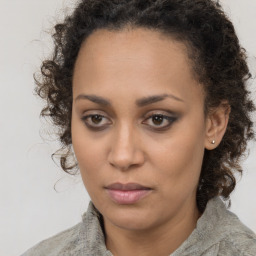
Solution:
(216, 125)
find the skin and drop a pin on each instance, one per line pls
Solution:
(128, 145)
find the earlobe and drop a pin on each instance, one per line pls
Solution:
(216, 125)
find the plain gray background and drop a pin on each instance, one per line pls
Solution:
(30, 208)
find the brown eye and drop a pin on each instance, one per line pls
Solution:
(157, 120)
(96, 119)
(160, 121)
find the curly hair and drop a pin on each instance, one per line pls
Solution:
(219, 63)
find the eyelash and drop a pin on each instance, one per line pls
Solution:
(170, 119)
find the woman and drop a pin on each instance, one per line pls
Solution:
(151, 96)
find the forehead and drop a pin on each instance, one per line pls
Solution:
(133, 57)
(149, 48)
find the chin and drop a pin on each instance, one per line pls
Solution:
(131, 218)
(130, 223)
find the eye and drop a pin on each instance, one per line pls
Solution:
(160, 121)
(156, 121)
(96, 121)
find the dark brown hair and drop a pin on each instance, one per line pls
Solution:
(218, 60)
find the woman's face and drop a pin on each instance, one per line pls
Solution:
(138, 127)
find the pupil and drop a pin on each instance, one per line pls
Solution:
(96, 119)
(157, 120)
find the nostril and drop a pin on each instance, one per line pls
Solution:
(124, 161)
(121, 160)
(125, 151)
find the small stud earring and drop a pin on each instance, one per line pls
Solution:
(213, 142)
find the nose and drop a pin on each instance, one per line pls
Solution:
(126, 151)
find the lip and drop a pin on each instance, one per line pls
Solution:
(129, 193)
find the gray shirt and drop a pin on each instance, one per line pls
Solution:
(218, 232)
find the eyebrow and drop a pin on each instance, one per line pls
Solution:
(140, 102)
(155, 98)
(94, 98)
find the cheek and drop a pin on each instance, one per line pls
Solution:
(88, 153)
(179, 158)
(90, 161)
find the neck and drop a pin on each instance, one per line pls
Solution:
(161, 240)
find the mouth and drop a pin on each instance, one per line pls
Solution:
(129, 193)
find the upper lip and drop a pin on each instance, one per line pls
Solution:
(128, 186)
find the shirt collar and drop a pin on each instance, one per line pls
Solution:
(211, 227)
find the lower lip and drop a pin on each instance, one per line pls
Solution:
(127, 196)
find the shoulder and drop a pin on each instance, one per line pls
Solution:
(84, 239)
(64, 243)
(239, 241)
(219, 232)
(228, 235)
(234, 244)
